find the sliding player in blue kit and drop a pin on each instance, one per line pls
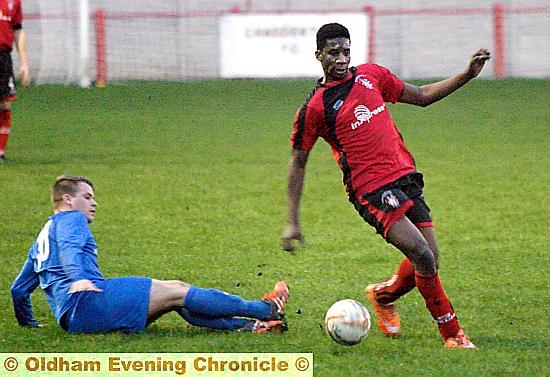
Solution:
(64, 262)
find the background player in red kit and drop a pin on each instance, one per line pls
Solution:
(11, 19)
(347, 109)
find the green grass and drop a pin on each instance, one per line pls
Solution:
(190, 180)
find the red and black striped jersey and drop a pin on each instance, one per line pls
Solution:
(352, 117)
(11, 18)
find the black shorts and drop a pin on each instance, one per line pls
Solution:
(7, 79)
(383, 207)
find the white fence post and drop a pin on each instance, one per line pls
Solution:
(84, 51)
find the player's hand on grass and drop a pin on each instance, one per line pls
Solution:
(292, 233)
(477, 61)
(84, 285)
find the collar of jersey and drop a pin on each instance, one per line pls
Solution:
(331, 84)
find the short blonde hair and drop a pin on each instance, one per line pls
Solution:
(67, 184)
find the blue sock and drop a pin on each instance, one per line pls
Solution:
(218, 323)
(215, 303)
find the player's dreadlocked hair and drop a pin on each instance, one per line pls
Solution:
(330, 31)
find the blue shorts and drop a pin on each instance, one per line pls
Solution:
(122, 306)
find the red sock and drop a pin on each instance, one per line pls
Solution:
(5, 128)
(398, 285)
(438, 304)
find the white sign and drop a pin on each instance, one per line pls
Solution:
(282, 45)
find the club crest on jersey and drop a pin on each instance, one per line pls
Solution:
(338, 104)
(4, 17)
(363, 81)
(364, 114)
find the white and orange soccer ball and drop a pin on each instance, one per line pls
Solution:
(347, 322)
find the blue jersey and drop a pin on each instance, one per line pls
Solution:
(65, 251)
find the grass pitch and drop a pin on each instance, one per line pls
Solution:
(190, 180)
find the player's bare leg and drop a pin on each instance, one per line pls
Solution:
(409, 239)
(429, 235)
(165, 297)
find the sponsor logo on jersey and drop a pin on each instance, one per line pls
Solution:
(363, 81)
(364, 114)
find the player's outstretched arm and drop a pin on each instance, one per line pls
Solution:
(296, 174)
(22, 288)
(477, 62)
(427, 94)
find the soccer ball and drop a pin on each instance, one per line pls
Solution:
(347, 322)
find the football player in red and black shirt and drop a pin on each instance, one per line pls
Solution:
(348, 110)
(11, 19)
